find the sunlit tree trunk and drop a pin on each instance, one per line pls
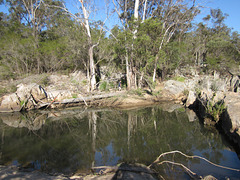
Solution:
(90, 50)
(144, 11)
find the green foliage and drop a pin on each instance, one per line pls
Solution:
(44, 80)
(8, 89)
(22, 103)
(5, 73)
(74, 96)
(156, 93)
(84, 82)
(3, 91)
(181, 109)
(180, 79)
(138, 92)
(55, 42)
(103, 86)
(197, 90)
(215, 110)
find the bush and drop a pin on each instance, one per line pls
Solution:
(103, 86)
(215, 110)
(8, 89)
(5, 73)
(84, 82)
(180, 79)
(44, 80)
(138, 92)
(74, 96)
(3, 91)
(156, 93)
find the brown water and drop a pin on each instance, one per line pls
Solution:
(74, 140)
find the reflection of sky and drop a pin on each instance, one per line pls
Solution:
(228, 159)
(106, 156)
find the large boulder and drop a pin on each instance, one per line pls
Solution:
(232, 102)
(25, 91)
(10, 103)
(175, 88)
(230, 119)
(27, 95)
(191, 98)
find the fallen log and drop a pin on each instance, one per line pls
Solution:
(84, 100)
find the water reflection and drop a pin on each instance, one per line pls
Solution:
(74, 140)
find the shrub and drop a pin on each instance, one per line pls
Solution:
(103, 86)
(215, 110)
(44, 80)
(3, 91)
(156, 93)
(138, 92)
(180, 79)
(84, 82)
(74, 96)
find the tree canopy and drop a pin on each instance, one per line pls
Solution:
(150, 41)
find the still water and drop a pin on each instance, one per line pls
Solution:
(73, 140)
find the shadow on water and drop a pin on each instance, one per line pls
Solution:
(74, 140)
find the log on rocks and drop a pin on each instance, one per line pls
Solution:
(84, 100)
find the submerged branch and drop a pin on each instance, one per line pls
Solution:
(194, 156)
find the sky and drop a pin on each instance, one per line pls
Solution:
(230, 7)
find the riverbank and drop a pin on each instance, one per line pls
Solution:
(211, 96)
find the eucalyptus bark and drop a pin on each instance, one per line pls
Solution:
(90, 50)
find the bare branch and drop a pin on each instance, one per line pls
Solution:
(194, 156)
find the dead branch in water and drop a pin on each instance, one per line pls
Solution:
(157, 161)
(191, 174)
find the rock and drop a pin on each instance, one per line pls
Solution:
(232, 102)
(206, 83)
(234, 84)
(192, 83)
(78, 76)
(10, 103)
(134, 171)
(27, 94)
(170, 106)
(190, 99)
(209, 177)
(176, 88)
(38, 94)
(13, 172)
(191, 115)
(59, 95)
(209, 122)
(219, 96)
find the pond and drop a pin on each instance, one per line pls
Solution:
(73, 140)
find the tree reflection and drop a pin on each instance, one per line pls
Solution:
(74, 140)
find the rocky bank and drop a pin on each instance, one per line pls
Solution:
(215, 98)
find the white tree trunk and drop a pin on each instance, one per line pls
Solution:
(135, 17)
(136, 9)
(144, 11)
(90, 51)
(92, 69)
